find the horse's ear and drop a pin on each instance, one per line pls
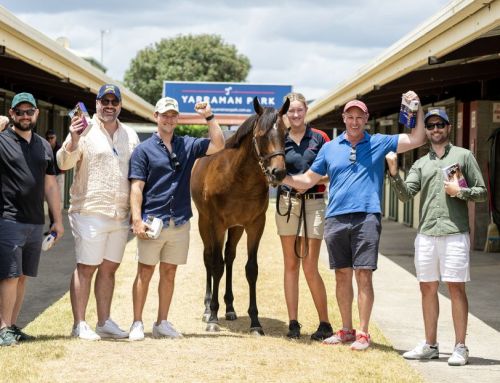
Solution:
(256, 106)
(284, 107)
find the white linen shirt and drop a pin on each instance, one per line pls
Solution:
(100, 182)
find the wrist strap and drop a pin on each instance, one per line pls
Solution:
(209, 118)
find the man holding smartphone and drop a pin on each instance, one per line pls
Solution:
(99, 210)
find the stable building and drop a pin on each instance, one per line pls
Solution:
(453, 62)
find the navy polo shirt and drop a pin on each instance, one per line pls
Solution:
(299, 158)
(166, 191)
(23, 166)
(355, 187)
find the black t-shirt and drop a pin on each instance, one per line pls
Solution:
(300, 157)
(23, 167)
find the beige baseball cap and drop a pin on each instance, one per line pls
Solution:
(165, 104)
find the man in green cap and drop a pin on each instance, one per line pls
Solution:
(27, 178)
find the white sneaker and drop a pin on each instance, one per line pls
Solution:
(460, 356)
(136, 331)
(423, 351)
(83, 331)
(165, 330)
(110, 330)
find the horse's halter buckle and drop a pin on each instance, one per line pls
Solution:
(262, 159)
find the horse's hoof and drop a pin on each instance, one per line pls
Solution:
(231, 315)
(256, 331)
(205, 317)
(212, 327)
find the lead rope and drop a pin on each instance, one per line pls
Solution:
(302, 217)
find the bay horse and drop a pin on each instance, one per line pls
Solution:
(231, 192)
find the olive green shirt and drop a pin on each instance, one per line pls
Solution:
(441, 214)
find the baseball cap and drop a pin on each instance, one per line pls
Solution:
(165, 104)
(437, 112)
(109, 89)
(23, 97)
(358, 104)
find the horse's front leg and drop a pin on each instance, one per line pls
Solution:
(254, 235)
(216, 270)
(233, 237)
(208, 295)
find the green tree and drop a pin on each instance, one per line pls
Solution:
(184, 58)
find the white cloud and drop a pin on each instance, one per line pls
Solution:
(312, 45)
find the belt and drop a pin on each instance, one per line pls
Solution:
(289, 194)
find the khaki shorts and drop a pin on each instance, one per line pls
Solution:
(98, 237)
(171, 246)
(315, 217)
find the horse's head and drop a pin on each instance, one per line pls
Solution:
(269, 141)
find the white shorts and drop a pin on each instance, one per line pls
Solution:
(171, 246)
(98, 237)
(443, 258)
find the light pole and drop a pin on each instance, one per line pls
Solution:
(103, 32)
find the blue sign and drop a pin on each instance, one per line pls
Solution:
(225, 98)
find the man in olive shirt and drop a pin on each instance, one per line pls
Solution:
(442, 245)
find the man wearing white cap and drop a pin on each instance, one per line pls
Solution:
(354, 162)
(160, 173)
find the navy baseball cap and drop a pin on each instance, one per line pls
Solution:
(109, 89)
(437, 112)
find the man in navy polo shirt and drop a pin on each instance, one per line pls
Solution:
(354, 162)
(160, 173)
(27, 177)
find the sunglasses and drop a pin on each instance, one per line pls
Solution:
(439, 125)
(27, 112)
(107, 101)
(352, 156)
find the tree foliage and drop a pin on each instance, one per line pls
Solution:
(184, 58)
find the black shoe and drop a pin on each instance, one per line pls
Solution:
(293, 330)
(20, 335)
(324, 331)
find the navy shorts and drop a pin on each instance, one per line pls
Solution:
(352, 240)
(20, 246)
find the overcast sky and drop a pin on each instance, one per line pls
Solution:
(311, 45)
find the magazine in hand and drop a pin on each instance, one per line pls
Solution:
(453, 173)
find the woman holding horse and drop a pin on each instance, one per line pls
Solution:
(300, 221)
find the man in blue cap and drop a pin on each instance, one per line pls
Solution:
(99, 150)
(442, 245)
(27, 177)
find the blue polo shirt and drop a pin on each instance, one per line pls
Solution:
(355, 187)
(298, 158)
(166, 191)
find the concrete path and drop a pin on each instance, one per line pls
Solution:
(397, 310)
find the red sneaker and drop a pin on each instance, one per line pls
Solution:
(362, 342)
(341, 336)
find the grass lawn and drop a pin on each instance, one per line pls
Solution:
(232, 354)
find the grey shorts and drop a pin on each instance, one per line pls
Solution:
(20, 246)
(352, 240)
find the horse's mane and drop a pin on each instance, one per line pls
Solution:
(267, 120)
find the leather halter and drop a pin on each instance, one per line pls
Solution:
(262, 159)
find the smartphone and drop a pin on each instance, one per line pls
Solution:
(81, 111)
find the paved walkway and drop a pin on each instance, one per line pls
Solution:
(397, 310)
(397, 303)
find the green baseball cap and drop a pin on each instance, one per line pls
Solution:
(23, 97)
